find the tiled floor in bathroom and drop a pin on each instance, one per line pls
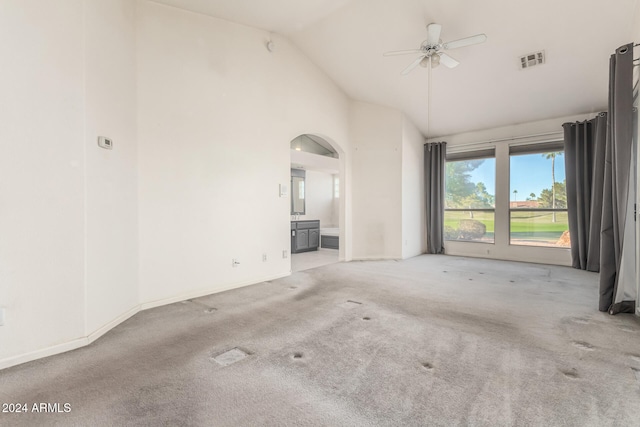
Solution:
(306, 260)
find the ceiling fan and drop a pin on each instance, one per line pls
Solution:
(431, 50)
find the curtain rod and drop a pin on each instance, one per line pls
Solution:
(511, 138)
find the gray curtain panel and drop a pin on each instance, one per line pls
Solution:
(616, 178)
(598, 155)
(584, 152)
(434, 163)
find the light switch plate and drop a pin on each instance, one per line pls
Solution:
(283, 190)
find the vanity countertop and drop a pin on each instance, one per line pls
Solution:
(305, 223)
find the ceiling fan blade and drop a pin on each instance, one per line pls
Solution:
(402, 52)
(448, 61)
(433, 34)
(411, 66)
(467, 41)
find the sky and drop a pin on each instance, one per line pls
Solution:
(530, 173)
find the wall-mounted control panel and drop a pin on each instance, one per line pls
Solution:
(105, 142)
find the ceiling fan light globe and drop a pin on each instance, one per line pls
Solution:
(425, 62)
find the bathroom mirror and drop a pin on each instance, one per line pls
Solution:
(297, 192)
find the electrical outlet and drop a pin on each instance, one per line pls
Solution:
(264, 257)
(235, 262)
(284, 253)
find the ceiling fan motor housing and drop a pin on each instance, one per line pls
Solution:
(430, 49)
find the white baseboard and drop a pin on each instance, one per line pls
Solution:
(45, 352)
(67, 346)
(109, 326)
(208, 291)
(93, 336)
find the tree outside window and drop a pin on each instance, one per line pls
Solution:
(469, 202)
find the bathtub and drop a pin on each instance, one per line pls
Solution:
(330, 238)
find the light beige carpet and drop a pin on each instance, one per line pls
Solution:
(433, 340)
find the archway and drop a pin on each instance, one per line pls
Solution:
(317, 202)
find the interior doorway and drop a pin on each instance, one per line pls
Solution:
(315, 203)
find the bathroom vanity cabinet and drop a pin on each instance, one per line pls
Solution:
(305, 236)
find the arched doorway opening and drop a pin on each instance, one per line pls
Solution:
(316, 202)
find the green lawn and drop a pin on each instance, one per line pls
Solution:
(526, 227)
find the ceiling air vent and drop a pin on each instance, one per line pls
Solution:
(531, 59)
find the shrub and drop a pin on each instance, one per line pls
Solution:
(470, 229)
(450, 233)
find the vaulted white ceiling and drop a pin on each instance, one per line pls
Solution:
(346, 38)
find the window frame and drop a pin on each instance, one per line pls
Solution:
(487, 153)
(529, 149)
(501, 249)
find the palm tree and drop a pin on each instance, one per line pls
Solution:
(552, 156)
(515, 195)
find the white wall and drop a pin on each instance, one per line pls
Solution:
(41, 174)
(319, 197)
(320, 203)
(376, 136)
(413, 196)
(335, 204)
(388, 188)
(484, 139)
(68, 217)
(304, 160)
(216, 115)
(111, 175)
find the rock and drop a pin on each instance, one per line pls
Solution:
(564, 240)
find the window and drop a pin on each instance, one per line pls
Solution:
(538, 200)
(469, 213)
